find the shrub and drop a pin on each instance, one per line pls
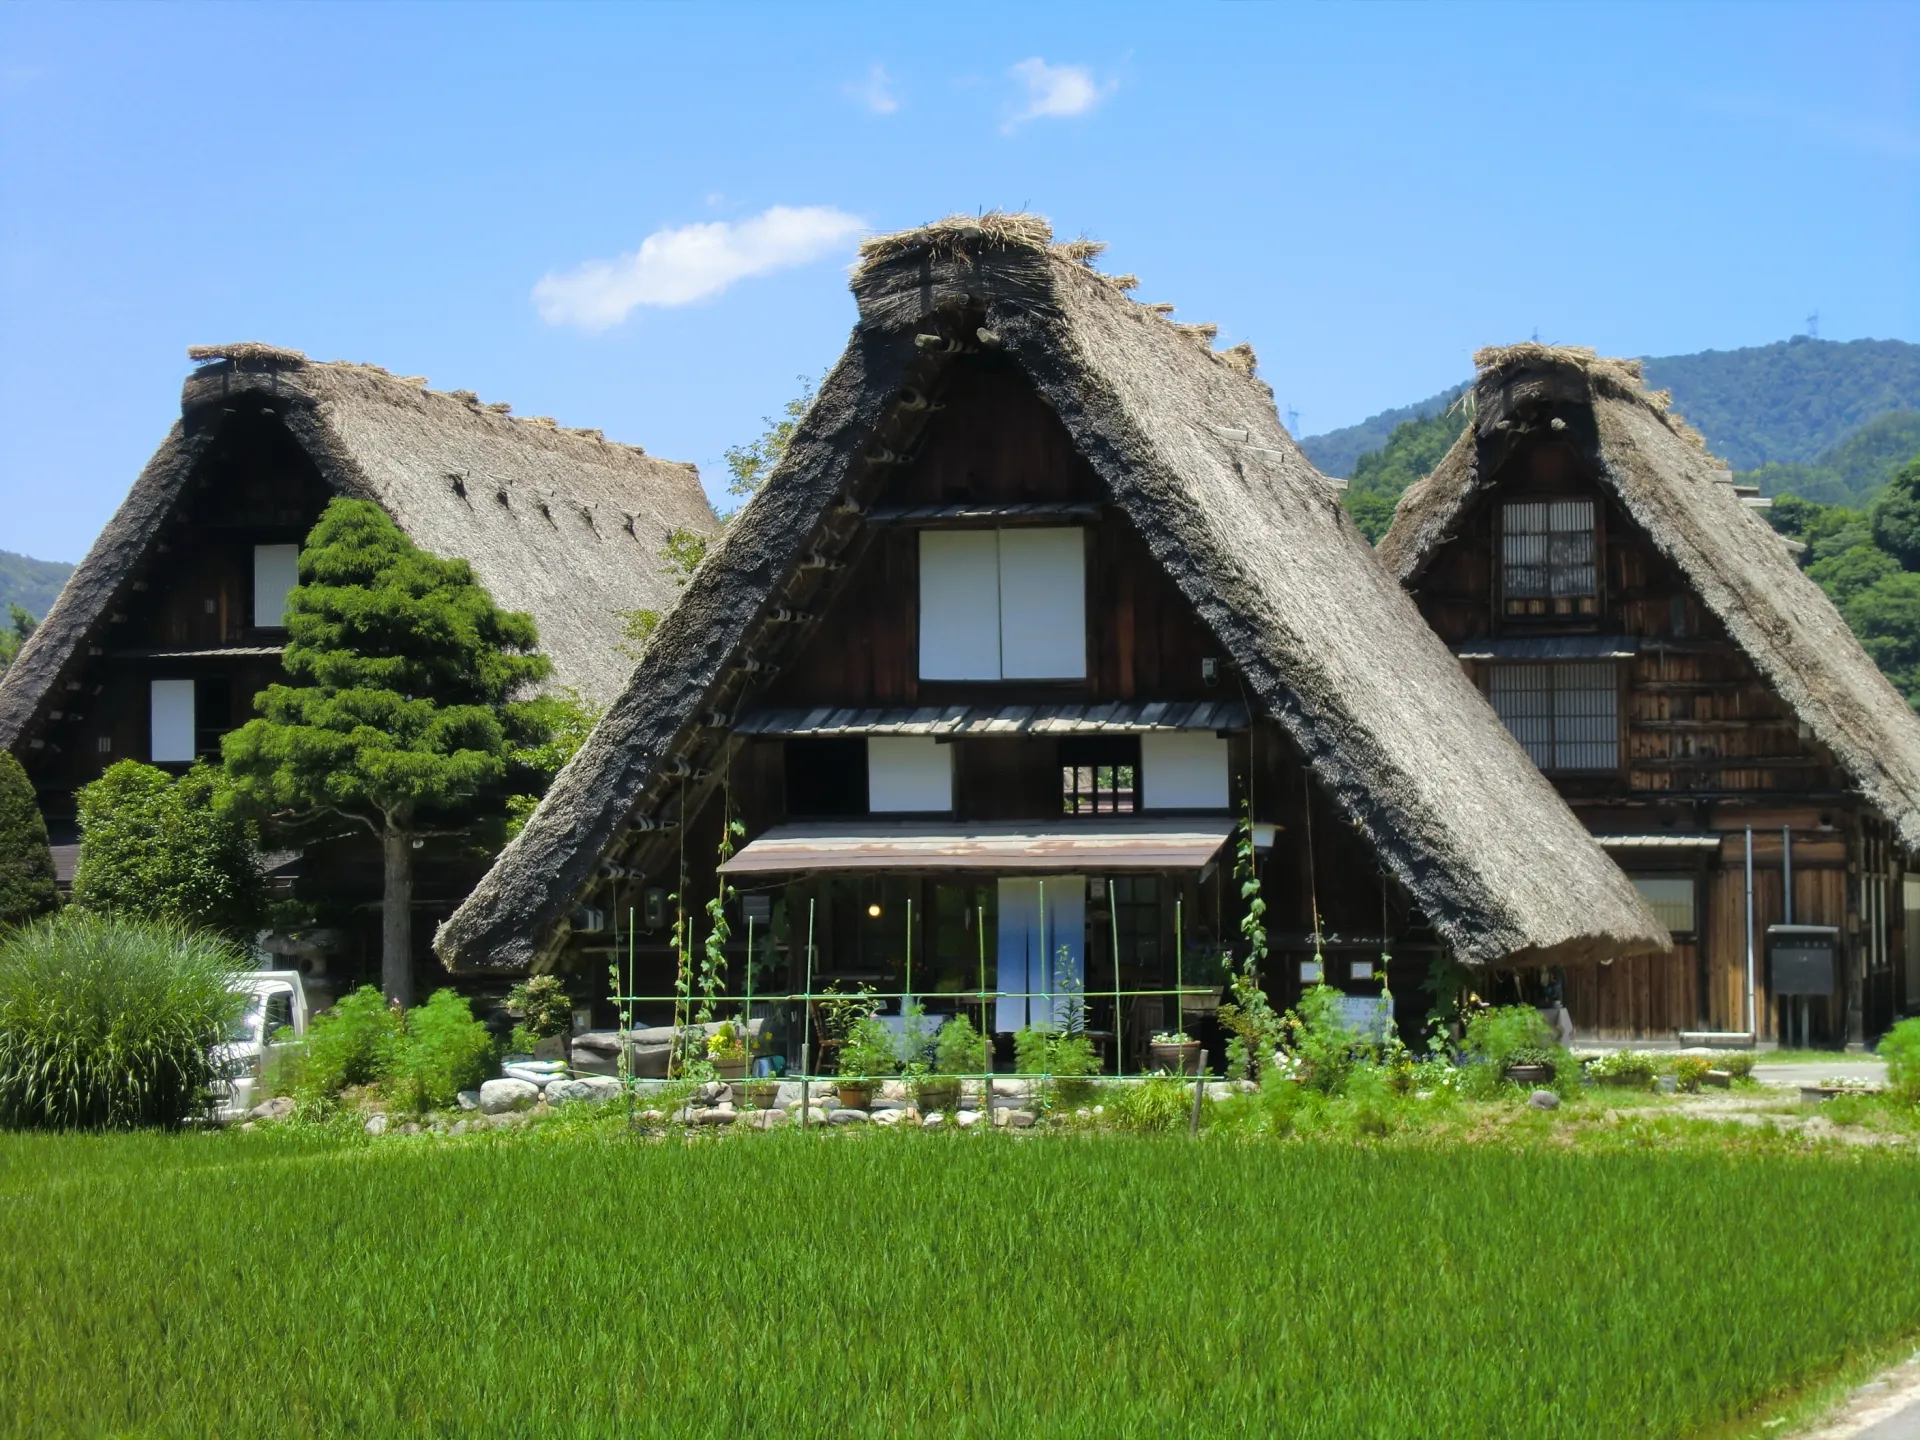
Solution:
(1689, 1073)
(27, 888)
(443, 1050)
(869, 1051)
(960, 1049)
(541, 1007)
(181, 851)
(1513, 1035)
(106, 1021)
(1319, 1046)
(1900, 1047)
(1634, 1069)
(355, 1043)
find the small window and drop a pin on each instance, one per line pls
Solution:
(1565, 715)
(826, 777)
(276, 570)
(1547, 555)
(1671, 898)
(279, 1015)
(1099, 775)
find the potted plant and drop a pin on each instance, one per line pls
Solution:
(866, 1057)
(1529, 1065)
(1175, 1052)
(958, 1050)
(727, 1051)
(763, 1094)
(1628, 1069)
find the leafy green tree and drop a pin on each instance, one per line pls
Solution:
(27, 888)
(1886, 617)
(1845, 575)
(683, 551)
(20, 625)
(751, 464)
(1380, 477)
(170, 851)
(404, 714)
(1896, 516)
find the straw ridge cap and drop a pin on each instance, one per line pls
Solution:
(1608, 375)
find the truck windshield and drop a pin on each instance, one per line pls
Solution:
(246, 1025)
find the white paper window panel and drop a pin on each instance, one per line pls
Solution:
(1030, 972)
(276, 570)
(1183, 770)
(1671, 898)
(172, 733)
(959, 605)
(909, 772)
(1043, 604)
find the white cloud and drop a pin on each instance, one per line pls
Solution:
(678, 266)
(876, 91)
(1055, 91)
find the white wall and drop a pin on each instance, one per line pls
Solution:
(959, 605)
(1043, 604)
(276, 570)
(171, 736)
(908, 773)
(1183, 770)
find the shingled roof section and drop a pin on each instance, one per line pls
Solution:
(1188, 444)
(562, 524)
(1659, 468)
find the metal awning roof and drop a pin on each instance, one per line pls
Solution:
(1667, 841)
(1095, 846)
(1032, 511)
(1549, 647)
(1119, 718)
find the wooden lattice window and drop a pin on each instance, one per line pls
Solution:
(1566, 714)
(1547, 557)
(1100, 775)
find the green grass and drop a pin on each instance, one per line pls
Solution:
(894, 1284)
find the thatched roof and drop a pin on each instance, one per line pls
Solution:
(1188, 444)
(562, 524)
(1659, 468)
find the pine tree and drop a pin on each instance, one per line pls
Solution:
(180, 851)
(402, 714)
(26, 864)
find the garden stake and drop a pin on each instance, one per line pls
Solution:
(749, 1035)
(806, 1026)
(986, 1083)
(1199, 1089)
(1113, 929)
(1046, 960)
(907, 999)
(1179, 1026)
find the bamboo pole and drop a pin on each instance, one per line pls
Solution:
(806, 1025)
(1199, 1089)
(748, 1037)
(1046, 961)
(1113, 930)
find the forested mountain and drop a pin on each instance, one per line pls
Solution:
(30, 584)
(1789, 403)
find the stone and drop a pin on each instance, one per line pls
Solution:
(497, 1097)
(592, 1089)
(554, 1047)
(816, 1116)
(847, 1117)
(1544, 1100)
(716, 1115)
(376, 1125)
(789, 1095)
(412, 1127)
(1218, 1090)
(1017, 1089)
(650, 1117)
(889, 1117)
(535, 1075)
(895, 1090)
(712, 1092)
(967, 1119)
(468, 1099)
(767, 1119)
(459, 1127)
(1083, 1113)
(1013, 1119)
(278, 1108)
(933, 1121)
(247, 1125)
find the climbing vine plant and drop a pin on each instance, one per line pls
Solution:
(1250, 1018)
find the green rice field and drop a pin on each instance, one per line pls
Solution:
(890, 1285)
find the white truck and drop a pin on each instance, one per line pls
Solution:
(276, 1008)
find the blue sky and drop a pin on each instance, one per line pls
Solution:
(639, 218)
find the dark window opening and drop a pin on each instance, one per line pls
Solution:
(212, 714)
(826, 777)
(1100, 775)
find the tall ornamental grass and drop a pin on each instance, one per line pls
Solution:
(107, 1022)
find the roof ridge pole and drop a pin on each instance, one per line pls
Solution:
(1753, 1026)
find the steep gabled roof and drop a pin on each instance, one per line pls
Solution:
(1188, 444)
(562, 524)
(1660, 470)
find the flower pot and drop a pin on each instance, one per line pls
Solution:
(763, 1094)
(854, 1097)
(731, 1069)
(1530, 1074)
(1181, 1059)
(942, 1095)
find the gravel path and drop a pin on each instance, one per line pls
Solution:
(1885, 1408)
